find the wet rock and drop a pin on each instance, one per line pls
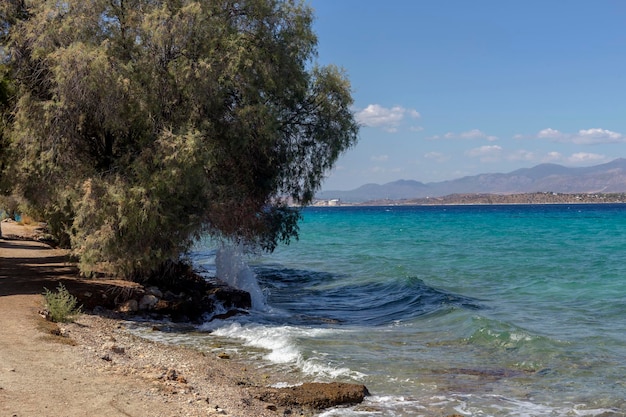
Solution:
(315, 395)
(231, 297)
(147, 302)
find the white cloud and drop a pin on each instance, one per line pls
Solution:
(414, 114)
(470, 134)
(436, 156)
(376, 115)
(552, 157)
(585, 157)
(583, 137)
(582, 158)
(487, 153)
(549, 133)
(595, 136)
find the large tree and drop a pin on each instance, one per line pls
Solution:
(141, 124)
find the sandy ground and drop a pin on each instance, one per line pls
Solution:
(95, 367)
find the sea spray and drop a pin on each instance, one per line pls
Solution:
(232, 268)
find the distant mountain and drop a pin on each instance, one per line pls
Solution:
(604, 178)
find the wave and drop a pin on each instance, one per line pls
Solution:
(327, 298)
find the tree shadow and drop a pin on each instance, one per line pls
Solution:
(31, 272)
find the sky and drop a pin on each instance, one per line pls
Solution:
(448, 88)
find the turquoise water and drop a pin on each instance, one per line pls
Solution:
(476, 310)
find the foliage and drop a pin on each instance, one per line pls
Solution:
(6, 93)
(62, 306)
(139, 125)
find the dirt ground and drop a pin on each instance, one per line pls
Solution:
(95, 367)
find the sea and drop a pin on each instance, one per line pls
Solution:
(478, 310)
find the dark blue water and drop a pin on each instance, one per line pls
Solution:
(477, 310)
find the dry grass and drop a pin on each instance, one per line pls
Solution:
(52, 332)
(26, 220)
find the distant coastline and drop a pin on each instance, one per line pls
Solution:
(486, 199)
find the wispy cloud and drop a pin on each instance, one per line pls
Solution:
(389, 119)
(379, 158)
(522, 155)
(550, 133)
(487, 153)
(593, 136)
(553, 157)
(436, 156)
(584, 157)
(470, 134)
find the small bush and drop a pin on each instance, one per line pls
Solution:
(62, 306)
(25, 220)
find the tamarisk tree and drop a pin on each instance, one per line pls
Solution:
(140, 125)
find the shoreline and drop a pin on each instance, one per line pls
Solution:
(471, 199)
(96, 366)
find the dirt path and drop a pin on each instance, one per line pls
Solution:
(38, 375)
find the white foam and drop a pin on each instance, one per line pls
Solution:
(281, 342)
(232, 268)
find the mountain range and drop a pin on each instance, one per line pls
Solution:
(604, 178)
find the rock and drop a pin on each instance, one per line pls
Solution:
(154, 291)
(147, 302)
(231, 297)
(315, 395)
(114, 348)
(118, 349)
(173, 375)
(215, 409)
(45, 314)
(129, 306)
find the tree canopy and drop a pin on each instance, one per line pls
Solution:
(139, 125)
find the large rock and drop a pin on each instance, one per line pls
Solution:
(315, 395)
(147, 302)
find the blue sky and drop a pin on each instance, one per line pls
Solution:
(445, 88)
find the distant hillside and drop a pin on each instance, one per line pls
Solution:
(604, 178)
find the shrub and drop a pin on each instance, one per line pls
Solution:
(62, 306)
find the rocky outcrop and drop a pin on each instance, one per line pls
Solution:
(314, 395)
(190, 298)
